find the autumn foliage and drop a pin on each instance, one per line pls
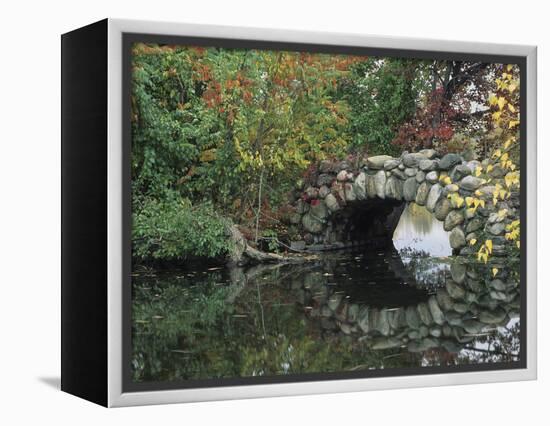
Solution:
(238, 130)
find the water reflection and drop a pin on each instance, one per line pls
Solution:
(423, 245)
(419, 231)
(357, 310)
(349, 311)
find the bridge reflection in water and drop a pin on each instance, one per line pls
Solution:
(353, 310)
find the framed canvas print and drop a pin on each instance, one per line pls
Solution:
(250, 213)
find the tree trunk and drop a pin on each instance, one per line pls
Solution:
(259, 204)
(243, 253)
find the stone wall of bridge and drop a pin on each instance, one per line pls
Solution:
(346, 204)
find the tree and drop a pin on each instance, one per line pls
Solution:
(235, 128)
(382, 95)
(289, 120)
(452, 103)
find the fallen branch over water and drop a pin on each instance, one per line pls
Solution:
(244, 253)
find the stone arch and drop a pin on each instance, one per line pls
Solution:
(379, 187)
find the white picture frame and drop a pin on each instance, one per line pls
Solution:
(116, 395)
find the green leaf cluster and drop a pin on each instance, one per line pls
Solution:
(382, 94)
(173, 229)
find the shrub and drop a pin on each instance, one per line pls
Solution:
(174, 229)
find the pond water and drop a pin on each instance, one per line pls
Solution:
(419, 231)
(410, 305)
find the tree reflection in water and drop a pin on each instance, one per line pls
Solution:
(344, 313)
(347, 311)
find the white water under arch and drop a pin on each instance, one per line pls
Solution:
(419, 230)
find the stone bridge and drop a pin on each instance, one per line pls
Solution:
(344, 205)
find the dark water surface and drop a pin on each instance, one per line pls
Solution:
(407, 306)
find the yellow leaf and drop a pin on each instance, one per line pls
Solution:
(469, 201)
(513, 123)
(497, 153)
(482, 203)
(473, 241)
(509, 142)
(512, 87)
(495, 271)
(492, 100)
(517, 244)
(507, 181)
(489, 245)
(501, 102)
(459, 201)
(511, 108)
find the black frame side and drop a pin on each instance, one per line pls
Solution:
(84, 212)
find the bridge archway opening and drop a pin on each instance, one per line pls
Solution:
(419, 232)
(344, 205)
(364, 223)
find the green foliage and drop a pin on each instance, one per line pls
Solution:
(271, 237)
(234, 128)
(382, 95)
(173, 229)
(173, 130)
(205, 122)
